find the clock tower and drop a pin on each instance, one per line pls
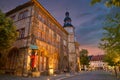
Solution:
(71, 41)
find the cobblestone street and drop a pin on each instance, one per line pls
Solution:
(90, 75)
(93, 75)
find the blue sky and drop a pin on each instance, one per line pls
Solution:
(88, 20)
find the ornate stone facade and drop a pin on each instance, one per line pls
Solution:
(42, 43)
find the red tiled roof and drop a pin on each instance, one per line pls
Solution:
(97, 58)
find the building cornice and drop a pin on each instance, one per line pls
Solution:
(19, 8)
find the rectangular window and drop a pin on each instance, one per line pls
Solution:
(65, 42)
(21, 33)
(18, 31)
(40, 17)
(47, 31)
(23, 15)
(42, 27)
(41, 63)
(44, 63)
(55, 35)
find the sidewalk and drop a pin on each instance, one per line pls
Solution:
(58, 77)
(53, 77)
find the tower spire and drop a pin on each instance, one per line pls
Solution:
(67, 14)
(67, 20)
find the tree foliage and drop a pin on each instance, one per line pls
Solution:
(113, 59)
(108, 3)
(84, 60)
(111, 40)
(8, 32)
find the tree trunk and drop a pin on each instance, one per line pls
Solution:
(119, 68)
(84, 67)
(115, 71)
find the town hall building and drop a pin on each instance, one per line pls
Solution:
(43, 45)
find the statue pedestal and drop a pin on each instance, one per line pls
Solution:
(36, 74)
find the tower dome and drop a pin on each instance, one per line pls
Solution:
(67, 20)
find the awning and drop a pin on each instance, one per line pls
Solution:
(33, 47)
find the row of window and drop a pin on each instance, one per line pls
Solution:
(48, 29)
(48, 47)
(42, 36)
(21, 15)
(24, 14)
(41, 18)
(46, 34)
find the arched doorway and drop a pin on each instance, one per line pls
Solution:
(12, 60)
(65, 65)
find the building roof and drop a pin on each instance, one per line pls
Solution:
(97, 58)
(27, 4)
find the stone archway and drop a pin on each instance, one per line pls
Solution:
(12, 60)
(65, 64)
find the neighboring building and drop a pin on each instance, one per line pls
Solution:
(71, 42)
(42, 44)
(96, 62)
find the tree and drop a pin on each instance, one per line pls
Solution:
(113, 59)
(84, 59)
(111, 40)
(8, 33)
(108, 3)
